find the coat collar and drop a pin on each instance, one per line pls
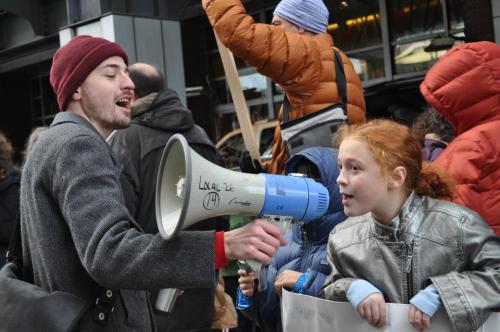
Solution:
(399, 224)
(70, 117)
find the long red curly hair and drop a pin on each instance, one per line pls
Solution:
(393, 145)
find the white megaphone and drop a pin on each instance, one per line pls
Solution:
(190, 188)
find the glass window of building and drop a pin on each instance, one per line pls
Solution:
(354, 24)
(412, 57)
(355, 28)
(43, 101)
(414, 25)
(410, 19)
(456, 18)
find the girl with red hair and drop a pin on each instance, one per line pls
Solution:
(402, 242)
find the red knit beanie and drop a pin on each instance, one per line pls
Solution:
(73, 62)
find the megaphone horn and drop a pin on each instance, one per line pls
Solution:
(189, 188)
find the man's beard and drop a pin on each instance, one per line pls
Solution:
(122, 123)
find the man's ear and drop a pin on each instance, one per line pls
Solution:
(300, 30)
(398, 177)
(77, 95)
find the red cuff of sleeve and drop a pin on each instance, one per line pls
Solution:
(220, 252)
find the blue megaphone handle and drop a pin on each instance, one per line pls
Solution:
(243, 302)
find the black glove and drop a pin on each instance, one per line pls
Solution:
(249, 165)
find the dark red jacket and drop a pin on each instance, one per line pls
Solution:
(464, 86)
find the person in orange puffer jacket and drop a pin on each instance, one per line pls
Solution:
(294, 52)
(464, 86)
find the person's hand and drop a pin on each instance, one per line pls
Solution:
(418, 319)
(257, 240)
(373, 309)
(287, 279)
(249, 165)
(247, 282)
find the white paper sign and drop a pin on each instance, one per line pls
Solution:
(302, 313)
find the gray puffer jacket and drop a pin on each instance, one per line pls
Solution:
(436, 242)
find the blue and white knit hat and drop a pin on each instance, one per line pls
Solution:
(311, 15)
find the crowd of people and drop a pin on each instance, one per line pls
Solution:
(413, 215)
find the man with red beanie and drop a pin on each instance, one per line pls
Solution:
(464, 86)
(78, 236)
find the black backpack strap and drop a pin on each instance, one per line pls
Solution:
(286, 109)
(341, 80)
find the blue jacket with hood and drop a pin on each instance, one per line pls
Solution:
(306, 248)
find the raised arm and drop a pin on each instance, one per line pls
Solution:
(280, 55)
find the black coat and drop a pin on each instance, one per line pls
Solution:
(9, 208)
(138, 149)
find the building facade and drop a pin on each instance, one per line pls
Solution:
(391, 43)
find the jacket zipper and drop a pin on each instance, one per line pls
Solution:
(306, 250)
(408, 266)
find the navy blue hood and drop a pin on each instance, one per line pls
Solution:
(325, 159)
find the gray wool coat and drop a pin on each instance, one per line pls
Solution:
(77, 235)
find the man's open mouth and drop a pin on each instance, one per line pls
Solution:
(123, 102)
